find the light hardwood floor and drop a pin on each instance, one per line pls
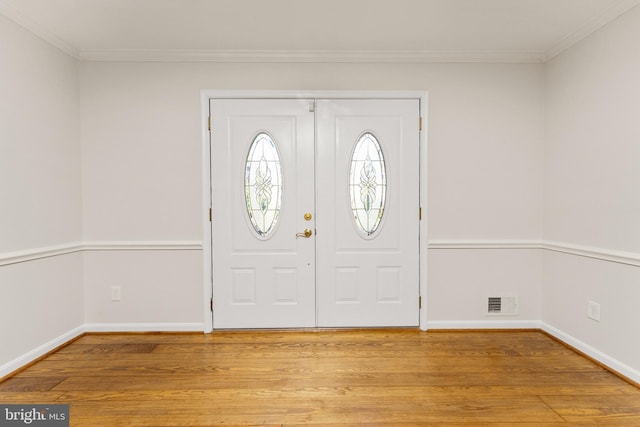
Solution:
(362, 377)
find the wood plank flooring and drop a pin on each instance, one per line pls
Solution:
(329, 378)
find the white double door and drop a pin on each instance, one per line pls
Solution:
(315, 213)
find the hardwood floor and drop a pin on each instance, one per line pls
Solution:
(339, 378)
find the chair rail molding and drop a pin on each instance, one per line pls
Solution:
(27, 255)
(619, 257)
(602, 254)
(181, 245)
(484, 244)
(34, 254)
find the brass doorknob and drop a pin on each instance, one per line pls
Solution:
(307, 216)
(307, 233)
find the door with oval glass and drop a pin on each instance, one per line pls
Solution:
(315, 212)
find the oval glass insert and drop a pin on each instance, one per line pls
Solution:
(367, 184)
(263, 184)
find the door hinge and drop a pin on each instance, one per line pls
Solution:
(419, 302)
(211, 304)
(420, 123)
(420, 213)
(312, 106)
(210, 215)
(209, 122)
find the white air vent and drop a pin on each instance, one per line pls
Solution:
(502, 305)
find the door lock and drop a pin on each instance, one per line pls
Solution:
(307, 233)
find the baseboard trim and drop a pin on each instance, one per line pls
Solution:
(10, 368)
(483, 324)
(144, 327)
(618, 368)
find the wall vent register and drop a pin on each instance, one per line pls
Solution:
(502, 305)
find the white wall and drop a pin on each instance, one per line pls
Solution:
(592, 189)
(142, 174)
(40, 193)
(161, 290)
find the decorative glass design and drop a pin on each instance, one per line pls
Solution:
(263, 184)
(367, 184)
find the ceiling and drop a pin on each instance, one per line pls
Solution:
(305, 30)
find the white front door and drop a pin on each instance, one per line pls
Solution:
(368, 213)
(348, 171)
(262, 180)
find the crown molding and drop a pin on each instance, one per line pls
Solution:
(311, 56)
(22, 20)
(591, 27)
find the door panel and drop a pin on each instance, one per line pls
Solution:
(367, 280)
(262, 281)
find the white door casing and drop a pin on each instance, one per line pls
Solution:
(340, 278)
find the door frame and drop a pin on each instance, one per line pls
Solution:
(207, 95)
